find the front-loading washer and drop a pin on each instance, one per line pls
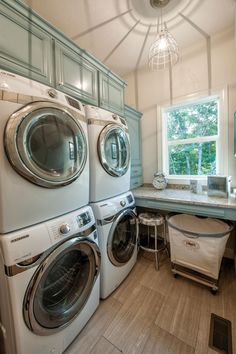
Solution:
(117, 227)
(49, 275)
(109, 147)
(43, 153)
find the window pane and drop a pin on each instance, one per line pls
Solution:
(193, 121)
(192, 159)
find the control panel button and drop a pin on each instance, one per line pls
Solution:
(122, 203)
(64, 229)
(52, 93)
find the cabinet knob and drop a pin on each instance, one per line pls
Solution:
(60, 83)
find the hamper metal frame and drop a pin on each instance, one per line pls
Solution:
(190, 273)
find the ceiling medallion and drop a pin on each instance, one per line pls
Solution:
(159, 3)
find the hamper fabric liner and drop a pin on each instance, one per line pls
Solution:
(198, 243)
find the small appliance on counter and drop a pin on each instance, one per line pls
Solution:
(218, 186)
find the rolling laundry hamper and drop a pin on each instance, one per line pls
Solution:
(197, 246)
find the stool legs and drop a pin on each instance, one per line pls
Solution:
(156, 249)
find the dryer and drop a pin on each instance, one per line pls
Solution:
(49, 275)
(43, 153)
(109, 154)
(117, 227)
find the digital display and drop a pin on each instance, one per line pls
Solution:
(73, 103)
(123, 121)
(83, 219)
(130, 199)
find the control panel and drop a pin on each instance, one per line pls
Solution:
(71, 224)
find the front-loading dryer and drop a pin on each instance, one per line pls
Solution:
(49, 275)
(43, 153)
(109, 147)
(117, 227)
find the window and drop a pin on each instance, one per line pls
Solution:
(192, 138)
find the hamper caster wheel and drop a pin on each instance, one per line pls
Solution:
(214, 291)
(175, 275)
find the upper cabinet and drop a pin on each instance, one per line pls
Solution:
(111, 93)
(25, 48)
(75, 75)
(31, 47)
(134, 125)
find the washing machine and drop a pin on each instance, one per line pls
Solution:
(49, 275)
(109, 154)
(43, 153)
(117, 228)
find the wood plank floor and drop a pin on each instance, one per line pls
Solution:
(152, 312)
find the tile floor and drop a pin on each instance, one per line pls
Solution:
(152, 312)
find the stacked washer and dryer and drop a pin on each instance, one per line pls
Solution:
(112, 202)
(49, 255)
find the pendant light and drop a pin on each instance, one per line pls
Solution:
(164, 52)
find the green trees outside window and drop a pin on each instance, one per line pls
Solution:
(192, 133)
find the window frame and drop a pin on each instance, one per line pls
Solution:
(221, 138)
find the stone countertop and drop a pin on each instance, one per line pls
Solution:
(183, 196)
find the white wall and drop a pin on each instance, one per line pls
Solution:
(189, 76)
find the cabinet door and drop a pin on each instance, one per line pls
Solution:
(24, 47)
(111, 94)
(75, 75)
(133, 121)
(235, 134)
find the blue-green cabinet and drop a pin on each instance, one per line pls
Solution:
(75, 75)
(111, 93)
(133, 118)
(31, 47)
(25, 48)
(235, 134)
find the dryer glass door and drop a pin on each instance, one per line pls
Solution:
(46, 144)
(61, 286)
(114, 150)
(122, 239)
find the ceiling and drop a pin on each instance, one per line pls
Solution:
(120, 32)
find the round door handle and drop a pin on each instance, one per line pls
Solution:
(64, 229)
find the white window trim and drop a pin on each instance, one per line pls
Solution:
(223, 134)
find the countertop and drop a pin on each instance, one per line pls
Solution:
(183, 196)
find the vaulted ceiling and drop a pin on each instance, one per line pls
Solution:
(120, 32)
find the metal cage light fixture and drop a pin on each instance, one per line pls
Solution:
(164, 52)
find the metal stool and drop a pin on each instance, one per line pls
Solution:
(154, 220)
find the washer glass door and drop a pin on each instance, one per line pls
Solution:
(114, 150)
(122, 239)
(61, 286)
(46, 144)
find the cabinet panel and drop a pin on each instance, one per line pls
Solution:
(74, 75)
(25, 48)
(235, 134)
(111, 95)
(133, 121)
(136, 182)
